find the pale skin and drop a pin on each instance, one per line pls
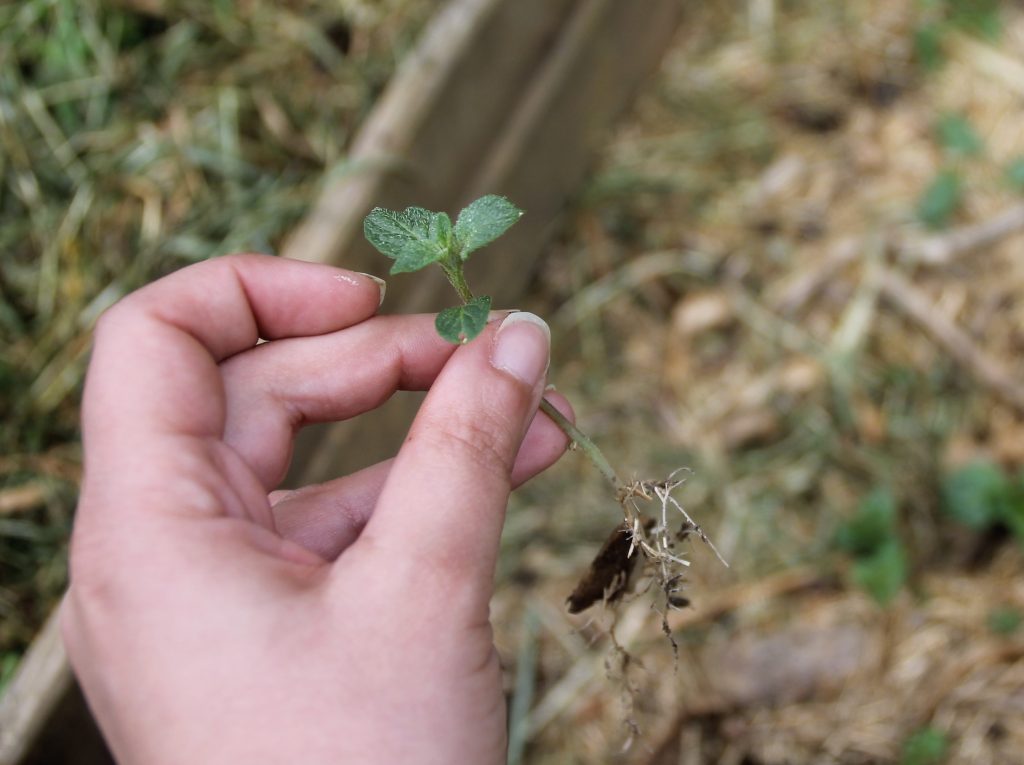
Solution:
(212, 619)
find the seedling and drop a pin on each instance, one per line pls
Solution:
(414, 239)
(872, 538)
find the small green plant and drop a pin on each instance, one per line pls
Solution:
(415, 238)
(957, 136)
(926, 747)
(941, 199)
(928, 45)
(981, 495)
(977, 17)
(871, 537)
(943, 17)
(1004, 621)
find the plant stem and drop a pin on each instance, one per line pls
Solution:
(453, 270)
(582, 440)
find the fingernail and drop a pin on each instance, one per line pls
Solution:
(522, 347)
(381, 284)
(500, 314)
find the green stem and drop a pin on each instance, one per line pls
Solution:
(582, 440)
(453, 270)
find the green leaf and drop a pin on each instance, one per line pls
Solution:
(928, 45)
(926, 747)
(462, 323)
(940, 200)
(871, 527)
(980, 17)
(440, 231)
(957, 136)
(413, 238)
(1004, 621)
(1015, 174)
(1012, 509)
(883, 573)
(482, 222)
(975, 495)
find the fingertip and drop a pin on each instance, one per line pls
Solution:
(522, 348)
(291, 298)
(380, 284)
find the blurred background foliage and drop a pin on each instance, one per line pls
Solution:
(796, 270)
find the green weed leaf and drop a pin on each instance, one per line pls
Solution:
(1013, 509)
(980, 17)
(462, 323)
(928, 48)
(1004, 621)
(976, 495)
(940, 200)
(872, 527)
(483, 221)
(441, 231)
(957, 136)
(870, 536)
(926, 747)
(882, 573)
(413, 238)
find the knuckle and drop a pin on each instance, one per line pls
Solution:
(117, 321)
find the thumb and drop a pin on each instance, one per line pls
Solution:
(443, 505)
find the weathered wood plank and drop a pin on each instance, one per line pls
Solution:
(43, 678)
(41, 696)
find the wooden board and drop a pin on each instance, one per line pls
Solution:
(502, 96)
(41, 699)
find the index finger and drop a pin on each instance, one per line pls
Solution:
(154, 368)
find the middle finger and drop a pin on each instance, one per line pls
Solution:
(275, 388)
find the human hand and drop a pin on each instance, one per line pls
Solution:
(211, 622)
